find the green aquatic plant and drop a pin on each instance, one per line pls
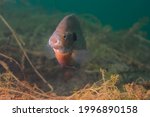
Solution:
(20, 42)
(123, 52)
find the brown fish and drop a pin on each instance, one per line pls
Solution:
(68, 42)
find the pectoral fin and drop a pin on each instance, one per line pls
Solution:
(81, 56)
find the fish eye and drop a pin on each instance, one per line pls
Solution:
(72, 36)
(64, 36)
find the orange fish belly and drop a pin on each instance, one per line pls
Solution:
(63, 58)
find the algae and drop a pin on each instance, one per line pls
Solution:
(122, 52)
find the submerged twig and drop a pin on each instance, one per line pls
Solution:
(19, 92)
(136, 27)
(5, 66)
(24, 52)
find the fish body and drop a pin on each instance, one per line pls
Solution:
(68, 42)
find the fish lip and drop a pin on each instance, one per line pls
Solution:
(58, 47)
(63, 50)
(55, 44)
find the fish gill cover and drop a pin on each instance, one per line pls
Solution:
(119, 67)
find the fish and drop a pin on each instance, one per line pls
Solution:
(68, 43)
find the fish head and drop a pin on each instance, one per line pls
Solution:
(63, 42)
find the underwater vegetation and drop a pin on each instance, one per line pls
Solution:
(119, 67)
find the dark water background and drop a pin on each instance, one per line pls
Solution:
(117, 13)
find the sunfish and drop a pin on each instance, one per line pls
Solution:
(68, 42)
